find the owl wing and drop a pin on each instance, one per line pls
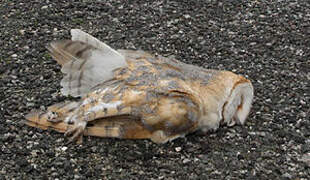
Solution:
(85, 61)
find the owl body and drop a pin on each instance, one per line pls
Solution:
(135, 95)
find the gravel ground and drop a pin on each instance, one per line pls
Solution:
(267, 41)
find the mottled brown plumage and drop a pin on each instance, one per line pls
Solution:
(133, 94)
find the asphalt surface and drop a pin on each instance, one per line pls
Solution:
(267, 41)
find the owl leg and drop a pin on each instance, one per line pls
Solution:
(82, 116)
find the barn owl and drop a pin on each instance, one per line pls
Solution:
(135, 95)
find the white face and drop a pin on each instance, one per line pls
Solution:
(238, 104)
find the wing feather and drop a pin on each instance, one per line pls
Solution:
(86, 62)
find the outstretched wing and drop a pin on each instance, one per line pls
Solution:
(85, 62)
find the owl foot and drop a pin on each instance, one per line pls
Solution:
(75, 134)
